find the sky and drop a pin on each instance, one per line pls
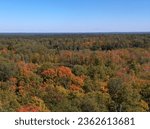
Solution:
(50, 16)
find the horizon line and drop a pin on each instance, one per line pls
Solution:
(74, 32)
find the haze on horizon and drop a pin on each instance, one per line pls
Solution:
(74, 16)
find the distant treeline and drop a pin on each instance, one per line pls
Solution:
(80, 41)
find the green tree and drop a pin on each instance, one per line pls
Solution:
(8, 101)
(79, 70)
(145, 92)
(7, 70)
(125, 97)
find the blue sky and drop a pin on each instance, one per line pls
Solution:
(74, 15)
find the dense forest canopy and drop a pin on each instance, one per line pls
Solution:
(75, 72)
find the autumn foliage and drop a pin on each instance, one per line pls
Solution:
(75, 73)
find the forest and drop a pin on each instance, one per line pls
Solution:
(75, 72)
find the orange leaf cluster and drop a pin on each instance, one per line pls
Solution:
(75, 88)
(64, 71)
(61, 71)
(49, 72)
(29, 108)
(78, 80)
(147, 68)
(13, 80)
(122, 71)
(26, 69)
(4, 51)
